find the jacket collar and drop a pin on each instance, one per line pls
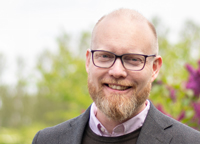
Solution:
(154, 128)
(76, 129)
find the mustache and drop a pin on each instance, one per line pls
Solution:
(118, 82)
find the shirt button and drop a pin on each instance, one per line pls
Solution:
(102, 129)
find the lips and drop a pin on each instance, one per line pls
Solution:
(118, 87)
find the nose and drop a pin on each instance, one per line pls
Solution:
(118, 70)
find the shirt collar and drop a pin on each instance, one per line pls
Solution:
(127, 127)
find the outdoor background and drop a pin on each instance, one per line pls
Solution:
(43, 80)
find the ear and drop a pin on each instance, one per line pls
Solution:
(156, 67)
(87, 62)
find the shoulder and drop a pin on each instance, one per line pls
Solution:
(183, 133)
(180, 132)
(53, 135)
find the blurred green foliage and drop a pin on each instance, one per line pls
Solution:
(63, 75)
(62, 85)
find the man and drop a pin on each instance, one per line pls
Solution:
(121, 64)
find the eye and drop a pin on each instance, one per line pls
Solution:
(133, 59)
(105, 56)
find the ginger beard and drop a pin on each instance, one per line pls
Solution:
(116, 106)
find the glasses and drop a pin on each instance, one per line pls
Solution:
(130, 61)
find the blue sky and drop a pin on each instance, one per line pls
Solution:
(27, 27)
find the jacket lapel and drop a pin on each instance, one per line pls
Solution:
(74, 133)
(154, 128)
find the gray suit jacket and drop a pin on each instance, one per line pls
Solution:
(157, 129)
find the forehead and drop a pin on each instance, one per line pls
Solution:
(119, 34)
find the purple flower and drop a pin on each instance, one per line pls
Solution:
(172, 94)
(181, 116)
(194, 79)
(160, 108)
(197, 111)
(159, 82)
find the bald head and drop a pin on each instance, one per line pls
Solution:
(132, 18)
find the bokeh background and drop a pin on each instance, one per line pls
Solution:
(42, 61)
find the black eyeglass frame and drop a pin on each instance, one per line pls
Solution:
(120, 56)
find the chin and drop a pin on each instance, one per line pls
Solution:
(118, 105)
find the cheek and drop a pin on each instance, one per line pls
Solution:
(147, 73)
(96, 75)
(142, 78)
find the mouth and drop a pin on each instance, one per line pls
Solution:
(118, 87)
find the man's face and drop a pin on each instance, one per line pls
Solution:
(117, 92)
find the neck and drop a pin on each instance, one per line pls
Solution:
(109, 123)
